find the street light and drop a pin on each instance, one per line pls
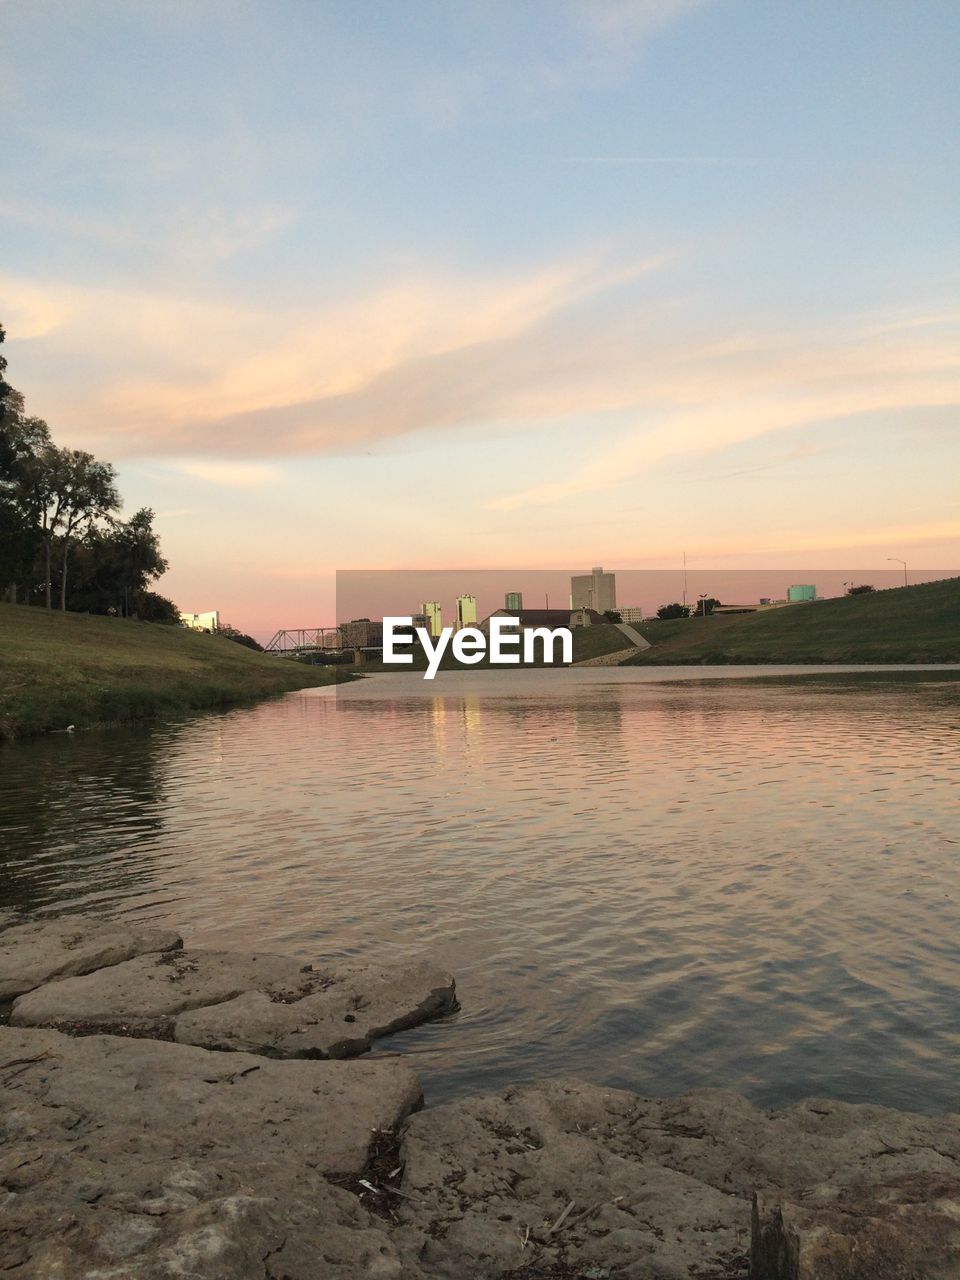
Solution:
(904, 563)
(703, 603)
(847, 584)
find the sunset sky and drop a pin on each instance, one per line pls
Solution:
(401, 284)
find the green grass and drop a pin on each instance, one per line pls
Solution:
(907, 624)
(58, 669)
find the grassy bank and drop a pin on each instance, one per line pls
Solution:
(58, 669)
(907, 624)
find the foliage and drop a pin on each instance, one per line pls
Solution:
(114, 565)
(612, 615)
(238, 637)
(675, 610)
(706, 606)
(863, 589)
(59, 527)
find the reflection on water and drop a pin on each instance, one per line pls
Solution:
(656, 886)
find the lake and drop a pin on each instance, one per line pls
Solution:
(650, 879)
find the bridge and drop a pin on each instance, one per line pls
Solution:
(294, 641)
(359, 640)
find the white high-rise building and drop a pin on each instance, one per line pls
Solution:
(594, 590)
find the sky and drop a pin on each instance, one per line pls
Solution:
(403, 284)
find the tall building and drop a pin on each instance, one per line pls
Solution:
(594, 590)
(466, 612)
(513, 601)
(434, 623)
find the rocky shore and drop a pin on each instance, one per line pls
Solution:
(197, 1114)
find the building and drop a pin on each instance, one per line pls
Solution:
(594, 590)
(434, 621)
(551, 618)
(466, 612)
(209, 621)
(801, 592)
(513, 601)
(630, 613)
(361, 633)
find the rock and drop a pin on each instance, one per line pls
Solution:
(43, 950)
(661, 1188)
(357, 1007)
(896, 1230)
(145, 995)
(225, 1000)
(123, 1158)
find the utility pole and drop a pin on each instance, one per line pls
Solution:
(904, 563)
(684, 579)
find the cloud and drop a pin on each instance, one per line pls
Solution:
(175, 375)
(234, 475)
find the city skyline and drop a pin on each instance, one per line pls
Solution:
(339, 287)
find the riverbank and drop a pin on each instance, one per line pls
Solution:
(905, 624)
(173, 1149)
(61, 669)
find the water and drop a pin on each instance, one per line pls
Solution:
(650, 884)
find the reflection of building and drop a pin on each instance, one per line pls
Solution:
(432, 612)
(630, 613)
(802, 592)
(594, 590)
(201, 621)
(361, 633)
(466, 612)
(513, 601)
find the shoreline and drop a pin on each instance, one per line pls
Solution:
(61, 672)
(172, 1111)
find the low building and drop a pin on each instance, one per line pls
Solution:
(209, 621)
(513, 601)
(630, 613)
(802, 591)
(551, 618)
(361, 633)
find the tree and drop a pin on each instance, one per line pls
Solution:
(864, 589)
(674, 610)
(238, 637)
(75, 491)
(112, 566)
(613, 615)
(706, 606)
(23, 441)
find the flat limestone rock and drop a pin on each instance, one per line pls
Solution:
(124, 1158)
(145, 995)
(41, 951)
(905, 1227)
(340, 1021)
(227, 1000)
(608, 1184)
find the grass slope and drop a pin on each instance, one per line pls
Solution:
(906, 624)
(58, 669)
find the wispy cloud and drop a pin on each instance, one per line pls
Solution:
(233, 475)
